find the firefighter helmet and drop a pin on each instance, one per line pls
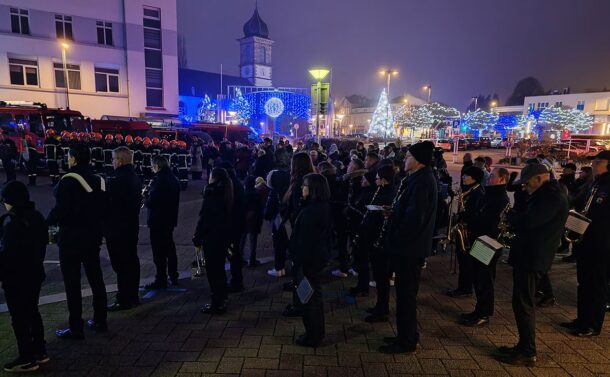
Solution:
(155, 140)
(109, 137)
(129, 139)
(146, 141)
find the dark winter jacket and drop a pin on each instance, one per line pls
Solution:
(310, 244)
(539, 228)
(486, 220)
(163, 200)
(411, 225)
(254, 212)
(596, 239)
(213, 230)
(371, 223)
(124, 202)
(79, 213)
(473, 203)
(23, 244)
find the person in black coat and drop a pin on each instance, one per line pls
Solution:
(254, 219)
(122, 227)
(162, 202)
(310, 246)
(593, 254)
(485, 223)
(408, 240)
(213, 233)
(472, 199)
(538, 230)
(278, 181)
(31, 163)
(8, 155)
(365, 250)
(80, 203)
(23, 243)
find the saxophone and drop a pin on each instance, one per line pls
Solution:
(356, 240)
(506, 235)
(460, 229)
(386, 221)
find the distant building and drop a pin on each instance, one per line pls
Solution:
(121, 56)
(596, 104)
(255, 52)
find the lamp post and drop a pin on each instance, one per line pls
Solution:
(429, 89)
(388, 73)
(64, 48)
(318, 74)
(476, 102)
(351, 129)
(340, 119)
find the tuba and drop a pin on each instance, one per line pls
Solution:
(459, 232)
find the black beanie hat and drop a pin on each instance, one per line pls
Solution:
(422, 152)
(15, 193)
(474, 172)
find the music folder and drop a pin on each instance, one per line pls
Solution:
(304, 291)
(485, 248)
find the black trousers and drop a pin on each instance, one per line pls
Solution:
(341, 237)
(9, 168)
(236, 261)
(380, 262)
(217, 277)
(313, 311)
(362, 255)
(592, 277)
(71, 261)
(53, 170)
(524, 290)
(253, 238)
(544, 286)
(22, 302)
(465, 273)
(408, 273)
(280, 246)
(123, 252)
(164, 253)
(484, 278)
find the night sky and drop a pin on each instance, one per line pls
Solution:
(461, 47)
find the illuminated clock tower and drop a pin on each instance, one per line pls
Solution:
(255, 49)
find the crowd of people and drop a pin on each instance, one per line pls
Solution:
(375, 213)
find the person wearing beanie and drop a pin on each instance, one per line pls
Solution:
(407, 240)
(472, 199)
(24, 237)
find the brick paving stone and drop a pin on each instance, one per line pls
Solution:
(230, 365)
(291, 361)
(198, 367)
(260, 363)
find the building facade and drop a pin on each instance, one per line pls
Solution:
(119, 56)
(596, 104)
(255, 52)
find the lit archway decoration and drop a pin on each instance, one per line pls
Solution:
(274, 107)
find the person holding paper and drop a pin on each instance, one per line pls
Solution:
(485, 222)
(538, 230)
(593, 254)
(310, 246)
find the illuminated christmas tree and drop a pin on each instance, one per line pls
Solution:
(480, 119)
(382, 123)
(242, 107)
(206, 111)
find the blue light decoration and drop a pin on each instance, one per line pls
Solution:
(274, 107)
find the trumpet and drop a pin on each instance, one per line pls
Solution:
(386, 221)
(506, 234)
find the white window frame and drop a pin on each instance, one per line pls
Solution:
(580, 104)
(105, 26)
(64, 19)
(162, 89)
(70, 68)
(24, 67)
(108, 75)
(21, 13)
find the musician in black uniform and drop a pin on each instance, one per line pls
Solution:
(538, 229)
(593, 253)
(23, 245)
(80, 201)
(472, 199)
(53, 154)
(162, 202)
(122, 227)
(408, 240)
(485, 223)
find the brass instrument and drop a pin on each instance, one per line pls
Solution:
(198, 266)
(145, 191)
(506, 235)
(386, 221)
(460, 229)
(356, 239)
(582, 215)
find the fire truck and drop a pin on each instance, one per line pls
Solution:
(19, 119)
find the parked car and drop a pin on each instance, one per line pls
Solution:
(444, 143)
(461, 144)
(484, 142)
(496, 143)
(472, 143)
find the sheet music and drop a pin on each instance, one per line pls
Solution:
(576, 224)
(304, 291)
(482, 251)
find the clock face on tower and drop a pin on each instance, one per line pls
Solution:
(246, 71)
(263, 72)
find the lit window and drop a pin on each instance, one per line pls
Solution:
(23, 72)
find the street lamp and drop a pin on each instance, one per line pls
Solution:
(318, 74)
(429, 89)
(388, 73)
(494, 104)
(340, 119)
(476, 102)
(64, 47)
(351, 127)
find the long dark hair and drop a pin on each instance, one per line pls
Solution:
(221, 179)
(319, 191)
(300, 166)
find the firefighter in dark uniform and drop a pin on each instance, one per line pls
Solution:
(119, 140)
(107, 149)
(8, 155)
(65, 147)
(162, 203)
(31, 158)
(593, 253)
(23, 245)
(147, 154)
(52, 154)
(97, 154)
(80, 202)
(182, 157)
(137, 157)
(485, 222)
(156, 146)
(122, 227)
